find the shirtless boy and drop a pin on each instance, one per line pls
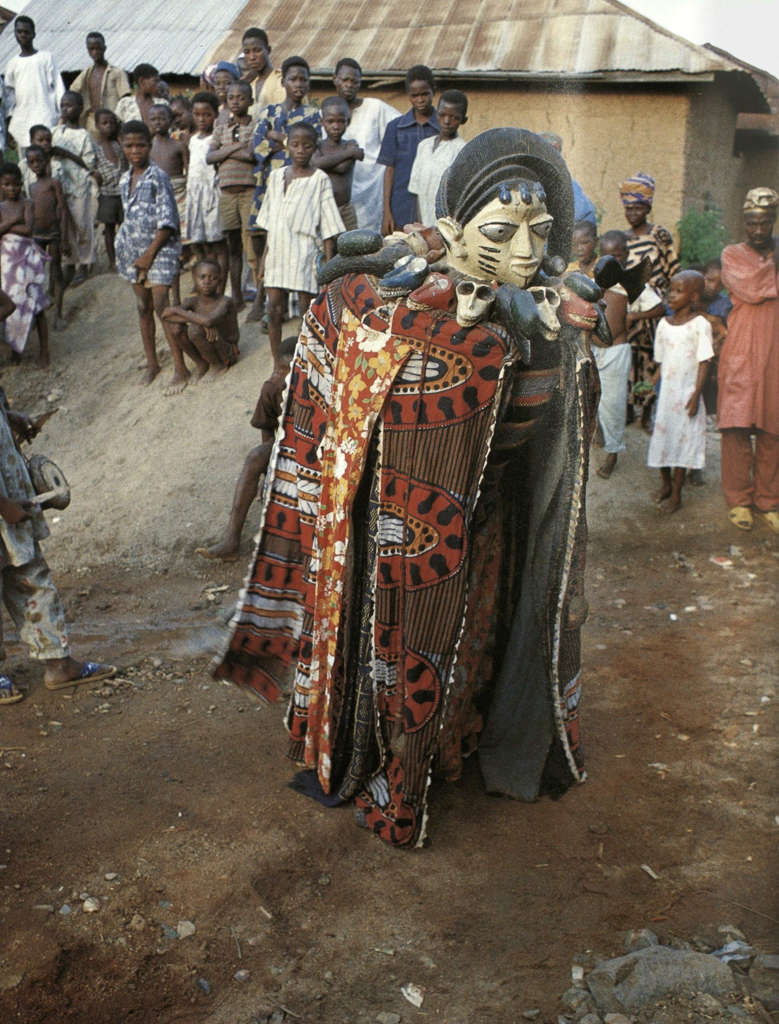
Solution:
(16, 219)
(51, 221)
(265, 418)
(173, 157)
(336, 156)
(205, 325)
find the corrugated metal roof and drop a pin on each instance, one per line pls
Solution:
(582, 37)
(173, 35)
(465, 37)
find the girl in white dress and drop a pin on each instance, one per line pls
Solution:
(203, 230)
(300, 214)
(683, 348)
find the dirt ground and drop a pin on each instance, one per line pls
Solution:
(165, 796)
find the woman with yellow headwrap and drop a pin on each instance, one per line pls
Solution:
(644, 239)
(749, 368)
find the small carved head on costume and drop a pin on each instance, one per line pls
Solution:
(504, 205)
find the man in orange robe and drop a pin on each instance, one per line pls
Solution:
(749, 368)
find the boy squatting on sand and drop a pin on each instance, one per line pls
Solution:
(204, 326)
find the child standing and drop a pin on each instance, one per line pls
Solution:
(51, 225)
(299, 213)
(202, 225)
(40, 136)
(78, 157)
(137, 105)
(584, 243)
(615, 362)
(32, 83)
(434, 155)
(22, 266)
(266, 416)
(682, 349)
(399, 148)
(337, 157)
(111, 164)
(147, 245)
(169, 154)
(270, 137)
(231, 150)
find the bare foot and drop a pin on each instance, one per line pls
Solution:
(662, 495)
(201, 369)
(214, 372)
(669, 505)
(177, 383)
(607, 468)
(149, 375)
(60, 323)
(224, 552)
(43, 361)
(240, 306)
(257, 310)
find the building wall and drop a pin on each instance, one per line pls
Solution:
(607, 135)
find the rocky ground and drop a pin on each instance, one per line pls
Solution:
(155, 867)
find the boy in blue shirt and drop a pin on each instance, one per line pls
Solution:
(399, 148)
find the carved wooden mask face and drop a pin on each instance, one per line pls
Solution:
(504, 241)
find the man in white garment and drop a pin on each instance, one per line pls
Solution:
(33, 85)
(369, 119)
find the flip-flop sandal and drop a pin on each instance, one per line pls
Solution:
(771, 519)
(92, 672)
(8, 692)
(741, 517)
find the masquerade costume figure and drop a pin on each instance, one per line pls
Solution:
(417, 588)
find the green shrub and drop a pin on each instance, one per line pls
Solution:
(702, 235)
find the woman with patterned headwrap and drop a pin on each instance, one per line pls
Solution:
(645, 239)
(749, 368)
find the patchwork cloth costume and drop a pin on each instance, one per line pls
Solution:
(418, 580)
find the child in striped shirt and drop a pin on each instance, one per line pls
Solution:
(300, 214)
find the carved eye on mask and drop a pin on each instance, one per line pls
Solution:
(543, 228)
(498, 231)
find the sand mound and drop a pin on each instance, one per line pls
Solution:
(151, 477)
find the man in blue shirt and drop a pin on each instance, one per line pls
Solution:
(583, 206)
(399, 148)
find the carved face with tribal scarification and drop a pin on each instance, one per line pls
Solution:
(505, 240)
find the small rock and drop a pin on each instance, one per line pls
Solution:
(576, 1000)
(65, 909)
(47, 907)
(591, 1018)
(616, 1018)
(388, 1018)
(704, 1003)
(137, 923)
(169, 933)
(640, 938)
(91, 905)
(9, 980)
(764, 981)
(639, 979)
(204, 985)
(185, 929)
(276, 970)
(531, 1014)
(324, 880)
(157, 663)
(242, 975)
(328, 975)
(731, 932)
(415, 994)
(110, 876)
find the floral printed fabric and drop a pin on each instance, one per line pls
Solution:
(23, 273)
